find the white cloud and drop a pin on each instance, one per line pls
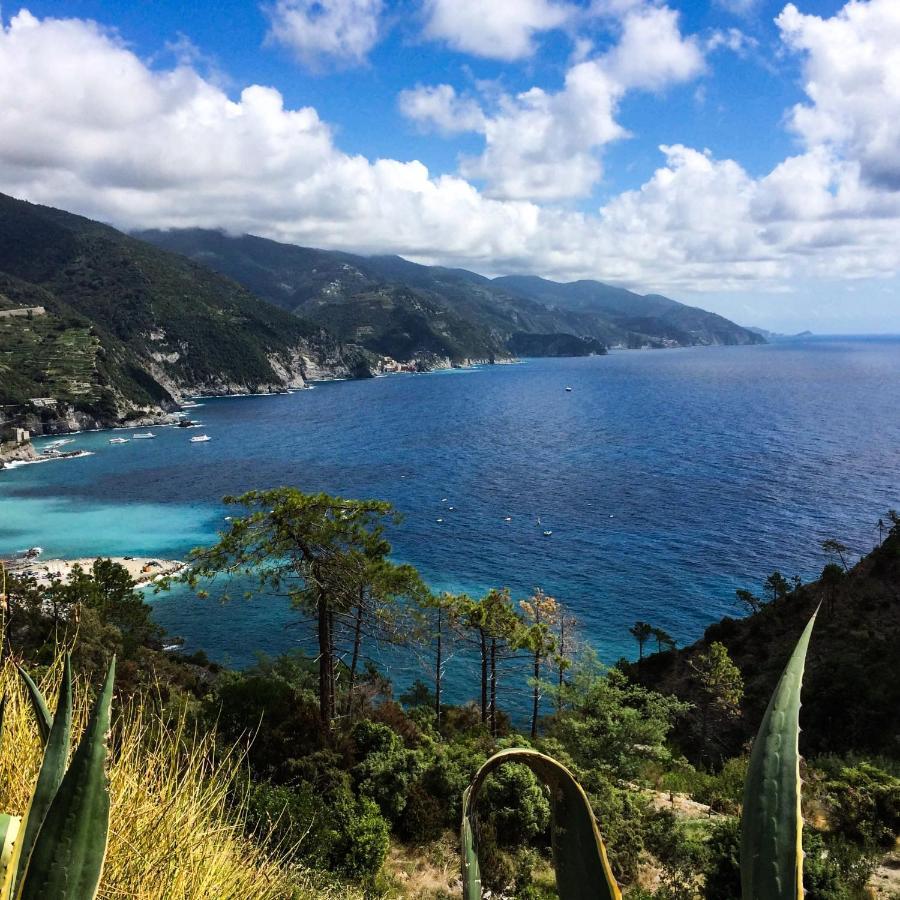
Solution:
(739, 7)
(852, 72)
(441, 108)
(342, 31)
(87, 126)
(732, 39)
(498, 29)
(651, 52)
(542, 145)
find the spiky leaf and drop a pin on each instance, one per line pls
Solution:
(2, 713)
(53, 768)
(772, 824)
(582, 867)
(38, 704)
(9, 830)
(68, 856)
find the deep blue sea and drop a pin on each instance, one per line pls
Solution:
(668, 478)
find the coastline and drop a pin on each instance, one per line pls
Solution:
(143, 569)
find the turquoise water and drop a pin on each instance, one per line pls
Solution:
(667, 478)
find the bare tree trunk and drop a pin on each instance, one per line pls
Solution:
(437, 671)
(494, 687)
(484, 678)
(354, 662)
(562, 660)
(326, 663)
(537, 695)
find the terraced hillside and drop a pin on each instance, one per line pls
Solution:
(130, 327)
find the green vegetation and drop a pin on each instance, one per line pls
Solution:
(395, 307)
(128, 325)
(339, 786)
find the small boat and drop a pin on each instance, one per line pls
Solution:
(146, 436)
(200, 439)
(118, 440)
(451, 508)
(508, 519)
(547, 533)
(568, 388)
(438, 520)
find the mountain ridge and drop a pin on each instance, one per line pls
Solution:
(313, 282)
(127, 329)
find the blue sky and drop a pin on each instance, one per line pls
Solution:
(738, 154)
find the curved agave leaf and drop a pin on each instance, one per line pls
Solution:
(39, 705)
(53, 768)
(68, 856)
(9, 830)
(582, 867)
(772, 824)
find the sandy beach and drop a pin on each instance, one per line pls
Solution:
(143, 569)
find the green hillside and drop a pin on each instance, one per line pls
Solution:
(851, 698)
(586, 313)
(520, 315)
(430, 309)
(136, 325)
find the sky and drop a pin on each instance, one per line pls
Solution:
(740, 155)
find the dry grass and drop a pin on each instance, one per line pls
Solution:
(173, 832)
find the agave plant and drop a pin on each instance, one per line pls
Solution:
(771, 828)
(56, 851)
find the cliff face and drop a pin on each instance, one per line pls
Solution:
(128, 330)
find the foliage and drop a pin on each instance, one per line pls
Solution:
(118, 300)
(322, 551)
(174, 831)
(614, 725)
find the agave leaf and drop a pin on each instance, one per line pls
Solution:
(68, 855)
(9, 830)
(2, 712)
(53, 768)
(39, 705)
(582, 867)
(772, 824)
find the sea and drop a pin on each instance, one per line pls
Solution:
(667, 480)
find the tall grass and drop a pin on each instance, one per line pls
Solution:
(176, 830)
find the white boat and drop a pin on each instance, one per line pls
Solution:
(146, 436)
(508, 519)
(118, 440)
(568, 388)
(200, 439)
(547, 533)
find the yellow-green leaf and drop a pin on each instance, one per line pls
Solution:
(582, 867)
(772, 824)
(70, 849)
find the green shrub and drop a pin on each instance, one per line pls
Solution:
(334, 832)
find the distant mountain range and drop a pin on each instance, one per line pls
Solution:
(778, 336)
(392, 306)
(121, 325)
